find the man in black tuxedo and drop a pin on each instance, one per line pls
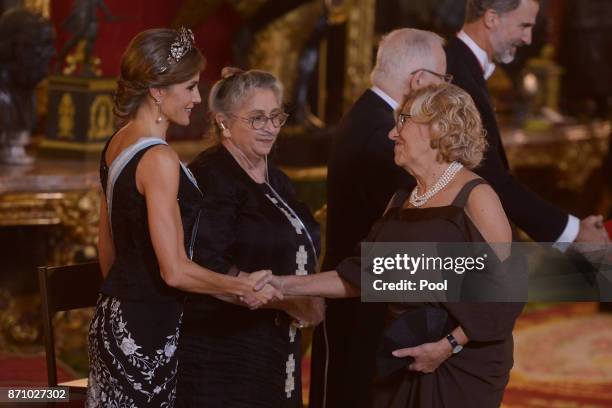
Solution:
(492, 31)
(362, 177)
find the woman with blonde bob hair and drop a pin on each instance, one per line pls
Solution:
(456, 131)
(438, 139)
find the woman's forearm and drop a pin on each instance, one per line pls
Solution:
(459, 335)
(190, 277)
(325, 284)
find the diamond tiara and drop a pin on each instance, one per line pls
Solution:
(183, 43)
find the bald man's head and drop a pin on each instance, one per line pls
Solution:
(404, 51)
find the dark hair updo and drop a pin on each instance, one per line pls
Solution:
(144, 65)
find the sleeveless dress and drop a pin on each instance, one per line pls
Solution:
(476, 376)
(232, 356)
(134, 333)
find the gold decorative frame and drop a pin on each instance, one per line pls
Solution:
(359, 46)
(75, 215)
(38, 6)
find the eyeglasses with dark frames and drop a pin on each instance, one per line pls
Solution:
(444, 77)
(260, 121)
(402, 118)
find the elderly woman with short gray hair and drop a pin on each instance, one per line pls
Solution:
(233, 356)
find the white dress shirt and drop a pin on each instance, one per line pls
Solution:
(572, 227)
(392, 102)
(488, 67)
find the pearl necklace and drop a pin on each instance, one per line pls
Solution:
(418, 200)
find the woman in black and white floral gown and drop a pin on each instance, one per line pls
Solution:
(148, 218)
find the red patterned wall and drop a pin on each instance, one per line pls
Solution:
(213, 36)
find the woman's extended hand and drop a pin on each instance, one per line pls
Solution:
(261, 292)
(277, 281)
(428, 356)
(258, 278)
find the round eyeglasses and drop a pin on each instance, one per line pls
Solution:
(402, 118)
(260, 121)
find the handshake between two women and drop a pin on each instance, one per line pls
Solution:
(298, 296)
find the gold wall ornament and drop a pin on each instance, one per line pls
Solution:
(574, 152)
(548, 74)
(77, 59)
(359, 46)
(101, 124)
(18, 331)
(42, 98)
(72, 217)
(74, 214)
(337, 11)
(89, 117)
(38, 6)
(277, 47)
(246, 8)
(66, 112)
(78, 213)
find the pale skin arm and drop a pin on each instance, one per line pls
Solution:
(157, 178)
(429, 356)
(325, 284)
(306, 310)
(486, 212)
(106, 248)
(266, 290)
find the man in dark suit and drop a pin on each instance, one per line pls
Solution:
(362, 177)
(492, 31)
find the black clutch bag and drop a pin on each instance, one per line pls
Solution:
(411, 328)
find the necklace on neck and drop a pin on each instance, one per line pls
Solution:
(451, 171)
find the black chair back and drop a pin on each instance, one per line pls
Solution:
(64, 288)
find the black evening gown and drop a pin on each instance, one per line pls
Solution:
(134, 333)
(232, 356)
(476, 376)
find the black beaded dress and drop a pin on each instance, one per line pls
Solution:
(134, 333)
(232, 356)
